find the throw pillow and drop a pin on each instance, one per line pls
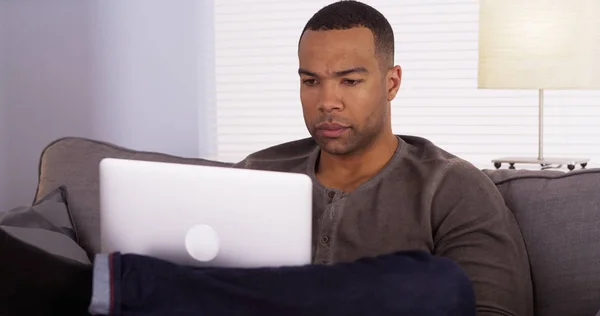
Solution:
(47, 225)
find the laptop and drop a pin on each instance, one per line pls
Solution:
(205, 216)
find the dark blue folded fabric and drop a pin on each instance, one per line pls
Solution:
(406, 283)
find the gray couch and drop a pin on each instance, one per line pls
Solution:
(558, 212)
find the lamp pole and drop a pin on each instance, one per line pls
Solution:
(541, 125)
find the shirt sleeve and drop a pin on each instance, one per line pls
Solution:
(473, 226)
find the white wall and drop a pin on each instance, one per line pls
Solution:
(207, 111)
(120, 71)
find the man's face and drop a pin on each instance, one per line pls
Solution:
(345, 93)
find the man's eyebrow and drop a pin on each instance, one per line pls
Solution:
(337, 73)
(350, 71)
(306, 72)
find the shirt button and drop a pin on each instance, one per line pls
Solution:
(324, 239)
(331, 194)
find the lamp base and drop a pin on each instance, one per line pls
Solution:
(546, 163)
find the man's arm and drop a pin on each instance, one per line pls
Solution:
(409, 283)
(473, 227)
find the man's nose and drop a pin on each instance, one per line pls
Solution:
(330, 99)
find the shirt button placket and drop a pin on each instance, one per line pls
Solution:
(324, 241)
(331, 195)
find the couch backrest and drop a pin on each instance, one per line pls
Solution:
(73, 163)
(559, 215)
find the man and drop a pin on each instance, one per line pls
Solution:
(377, 193)
(397, 220)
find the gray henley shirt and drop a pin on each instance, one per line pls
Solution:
(423, 199)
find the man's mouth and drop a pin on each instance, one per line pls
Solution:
(332, 131)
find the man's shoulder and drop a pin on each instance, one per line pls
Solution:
(438, 163)
(448, 178)
(424, 150)
(287, 157)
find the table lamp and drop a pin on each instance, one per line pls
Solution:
(539, 45)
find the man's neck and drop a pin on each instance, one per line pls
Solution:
(346, 173)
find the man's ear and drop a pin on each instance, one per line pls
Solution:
(393, 80)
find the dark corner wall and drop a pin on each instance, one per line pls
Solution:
(3, 122)
(136, 73)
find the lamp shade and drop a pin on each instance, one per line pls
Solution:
(539, 44)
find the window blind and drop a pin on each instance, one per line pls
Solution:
(257, 86)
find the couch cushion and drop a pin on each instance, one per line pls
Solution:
(74, 163)
(559, 215)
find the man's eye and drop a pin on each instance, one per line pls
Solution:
(309, 82)
(351, 82)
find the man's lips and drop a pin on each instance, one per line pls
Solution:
(331, 130)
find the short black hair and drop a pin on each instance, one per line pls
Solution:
(347, 14)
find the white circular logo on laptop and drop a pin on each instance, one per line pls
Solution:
(202, 243)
